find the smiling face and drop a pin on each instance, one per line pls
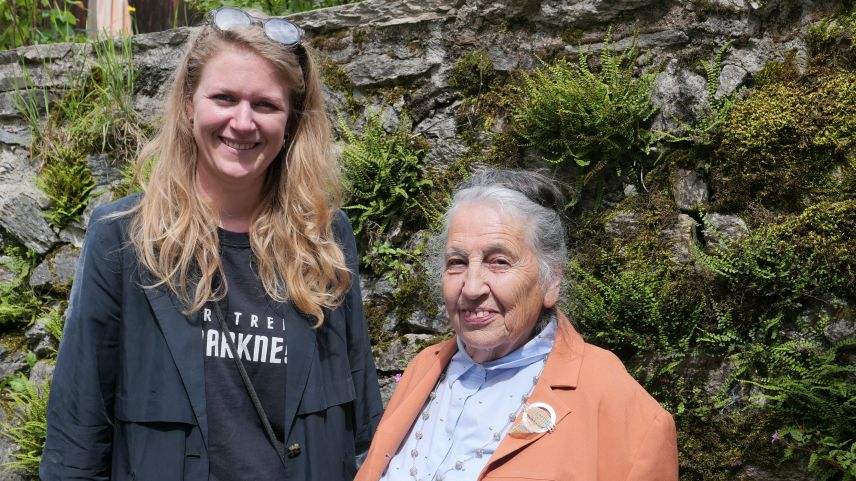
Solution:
(491, 281)
(239, 112)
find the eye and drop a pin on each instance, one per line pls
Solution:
(455, 264)
(499, 262)
(266, 106)
(223, 98)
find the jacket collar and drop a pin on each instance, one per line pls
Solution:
(183, 334)
(561, 373)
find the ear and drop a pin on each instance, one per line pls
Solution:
(551, 294)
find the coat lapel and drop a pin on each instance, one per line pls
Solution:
(184, 339)
(301, 343)
(560, 374)
(410, 407)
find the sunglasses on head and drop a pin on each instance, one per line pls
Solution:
(277, 29)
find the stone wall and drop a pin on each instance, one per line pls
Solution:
(397, 56)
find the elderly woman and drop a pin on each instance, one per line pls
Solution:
(517, 393)
(215, 329)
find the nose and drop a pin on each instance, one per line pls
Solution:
(475, 285)
(242, 119)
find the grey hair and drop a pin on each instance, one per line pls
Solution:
(532, 197)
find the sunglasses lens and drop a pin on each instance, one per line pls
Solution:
(229, 18)
(282, 31)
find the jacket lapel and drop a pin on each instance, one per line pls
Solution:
(184, 339)
(397, 421)
(410, 407)
(301, 344)
(560, 374)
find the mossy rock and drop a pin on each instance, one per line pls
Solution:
(472, 74)
(780, 147)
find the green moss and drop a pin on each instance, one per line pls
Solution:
(472, 74)
(830, 41)
(780, 146)
(412, 295)
(361, 35)
(14, 342)
(335, 77)
(784, 71)
(572, 36)
(716, 447)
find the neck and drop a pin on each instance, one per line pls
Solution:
(235, 205)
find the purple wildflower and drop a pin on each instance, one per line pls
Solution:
(398, 377)
(775, 437)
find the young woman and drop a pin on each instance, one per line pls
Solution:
(215, 328)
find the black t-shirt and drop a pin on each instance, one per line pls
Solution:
(239, 449)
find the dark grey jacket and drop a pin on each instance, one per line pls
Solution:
(128, 395)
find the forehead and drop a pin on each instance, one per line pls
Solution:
(237, 67)
(481, 225)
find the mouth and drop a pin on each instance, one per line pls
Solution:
(477, 316)
(238, 145)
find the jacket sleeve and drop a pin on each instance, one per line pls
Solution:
(368, 407)
(657, 456)
(80, 408)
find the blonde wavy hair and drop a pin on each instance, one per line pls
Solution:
(174, 231)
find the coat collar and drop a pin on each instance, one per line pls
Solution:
(561, 373)
(301, 342)
(183, 337)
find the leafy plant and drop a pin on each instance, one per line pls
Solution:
(705, 129)
(29, 22)
(18, 302)
(56, 321)
(393, 263)
(95, 115)
(815, 389)
(68, 183)
(793, 260)
(384, 177)
(27, 426)
(641, 307)
(583, 118)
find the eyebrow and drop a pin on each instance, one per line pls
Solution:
(489, 249)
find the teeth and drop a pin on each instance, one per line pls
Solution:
(238, 146)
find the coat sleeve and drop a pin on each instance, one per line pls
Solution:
(367, 406)
(80, 409)
(657, 456)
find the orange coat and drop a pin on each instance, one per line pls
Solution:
(608, 427)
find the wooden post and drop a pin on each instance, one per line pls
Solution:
(111, 16)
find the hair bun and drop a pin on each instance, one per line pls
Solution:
(535, 185)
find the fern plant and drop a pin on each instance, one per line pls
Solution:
(27, 426)
(814, 389)
(18, 302)
(384, 177)
(583, 117)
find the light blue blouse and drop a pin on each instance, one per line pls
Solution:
(469, 414)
